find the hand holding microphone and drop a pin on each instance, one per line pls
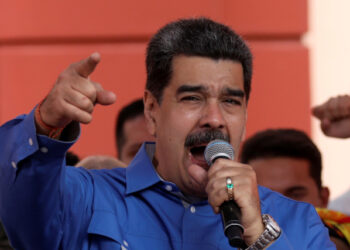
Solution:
(240, 210)
(230, 212)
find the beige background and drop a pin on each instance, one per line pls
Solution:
(329, 42)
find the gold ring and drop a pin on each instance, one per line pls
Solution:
(229, 187)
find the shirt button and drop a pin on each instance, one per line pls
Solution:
(30, 141)
(125, 243)
(44, 150)
(168, 187)
(193, 209)
(14, 164)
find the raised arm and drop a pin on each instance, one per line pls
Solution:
(38, 193)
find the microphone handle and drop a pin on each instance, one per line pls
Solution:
(233, 229)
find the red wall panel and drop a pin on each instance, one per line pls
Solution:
(110, 18)
(106, 18)
(38, 39)
(267, 18)
(280, 89)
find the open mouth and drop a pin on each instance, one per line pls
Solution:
(197, 153)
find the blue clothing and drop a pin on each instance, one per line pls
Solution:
(46, 205)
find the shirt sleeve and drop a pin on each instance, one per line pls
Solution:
(40, 197)
(317, 236)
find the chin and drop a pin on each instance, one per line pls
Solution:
(197, 191)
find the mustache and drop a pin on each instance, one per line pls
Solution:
(205, 136)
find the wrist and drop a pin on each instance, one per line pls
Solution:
(253, 233)
(271, 232)
(42, 127)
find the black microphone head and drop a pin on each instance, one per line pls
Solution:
(218, 149)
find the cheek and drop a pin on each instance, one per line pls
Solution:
(178, 123)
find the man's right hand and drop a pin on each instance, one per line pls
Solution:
(74, 95)
(334, 116)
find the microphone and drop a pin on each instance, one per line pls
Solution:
(230, 212)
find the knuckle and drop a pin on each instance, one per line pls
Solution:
(97, 85)
(213, 200)
(215, 185)
(86, 104)
(90, 91)
(63, 76)
(252, 176)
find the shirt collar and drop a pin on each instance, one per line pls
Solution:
(140, 174)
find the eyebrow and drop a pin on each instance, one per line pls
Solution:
(296, 188)
(190, 88)
(234, 92)
(200, 88)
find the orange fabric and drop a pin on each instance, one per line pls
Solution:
(337, 221)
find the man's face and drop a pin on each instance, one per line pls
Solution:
(290, 177)
(203, 95)
(135, 132)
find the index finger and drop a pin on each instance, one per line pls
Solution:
(86, 66)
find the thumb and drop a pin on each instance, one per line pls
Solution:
(86, 66)
(317, 111)
(105, 97)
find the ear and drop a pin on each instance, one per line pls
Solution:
(324, 194)
(151, 107)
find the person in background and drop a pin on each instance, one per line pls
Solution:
(131, 130)
(4, 242)
(288, 162)
(334, 116)
(71, 158)
(197, 89)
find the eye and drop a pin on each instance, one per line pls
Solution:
(297, 195)
(233, 101)
(191, 98)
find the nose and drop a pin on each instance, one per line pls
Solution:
(212, 116)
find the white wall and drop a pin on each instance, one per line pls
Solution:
(329, 42)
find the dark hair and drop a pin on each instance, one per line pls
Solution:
(128, 112)
(71, 158)
(193, 37)
(284, 143)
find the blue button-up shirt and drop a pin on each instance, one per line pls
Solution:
(46, 205)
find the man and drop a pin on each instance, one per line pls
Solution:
(198, 85)
(131, 130)
(288, 162)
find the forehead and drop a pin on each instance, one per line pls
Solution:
(282, 169)
(213, 74)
